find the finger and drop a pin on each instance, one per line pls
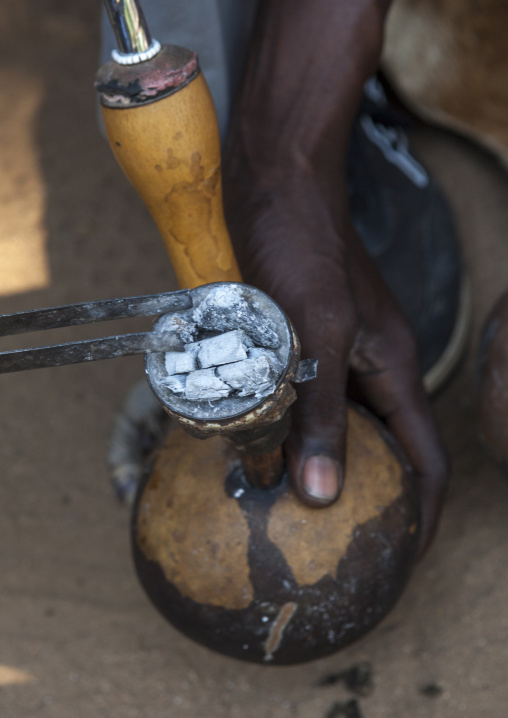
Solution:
(315, 449)
(393, 390)
(414, 427)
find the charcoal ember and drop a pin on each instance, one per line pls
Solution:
(249, 377)
(255, 352)
(204, 384)
(184, 329)
(307, 370)
(224, 309)
(222, 349)
(176, 383)
(179, 362)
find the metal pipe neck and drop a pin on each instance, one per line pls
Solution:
(135, 43)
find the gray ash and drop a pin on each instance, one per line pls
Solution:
(225, 309)
(237, 359)
(183, 328)
(228, 352)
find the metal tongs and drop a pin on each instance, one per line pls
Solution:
(87, 313)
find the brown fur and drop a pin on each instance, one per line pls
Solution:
(448, 59)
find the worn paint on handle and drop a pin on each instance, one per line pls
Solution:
(170, 151)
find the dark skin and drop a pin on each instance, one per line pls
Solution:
(287, 209)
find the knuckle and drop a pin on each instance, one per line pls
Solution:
(396, 347)
(326, 325)
(321, 416)
(400, 338)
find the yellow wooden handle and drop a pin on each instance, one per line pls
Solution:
(170, 151)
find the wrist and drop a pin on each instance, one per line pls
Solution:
(286, 184)
(304, 79)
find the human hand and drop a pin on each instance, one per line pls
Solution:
(287, 209)
(296, 244)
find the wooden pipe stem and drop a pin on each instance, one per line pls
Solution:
(264, 471)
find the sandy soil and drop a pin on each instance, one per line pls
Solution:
(78, 638)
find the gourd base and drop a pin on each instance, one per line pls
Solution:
(255, 574)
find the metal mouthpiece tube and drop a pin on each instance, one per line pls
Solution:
(135, 43)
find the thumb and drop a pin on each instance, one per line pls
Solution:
(315, 449)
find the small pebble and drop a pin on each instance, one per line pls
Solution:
(351, 709)
(432, 690)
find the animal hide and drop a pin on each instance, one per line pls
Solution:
(448, 60)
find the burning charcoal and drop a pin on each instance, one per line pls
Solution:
(248, 377)
(176, 383)
(184, 329)
(204, 385)
(225, 309)
(223, 349)
(179, 362)
(271, 356)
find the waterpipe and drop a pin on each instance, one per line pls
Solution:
(221, 545)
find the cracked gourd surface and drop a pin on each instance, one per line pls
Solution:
(373, 482)
(187, 524)
(199, 536)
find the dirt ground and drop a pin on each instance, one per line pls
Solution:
(78, 638)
